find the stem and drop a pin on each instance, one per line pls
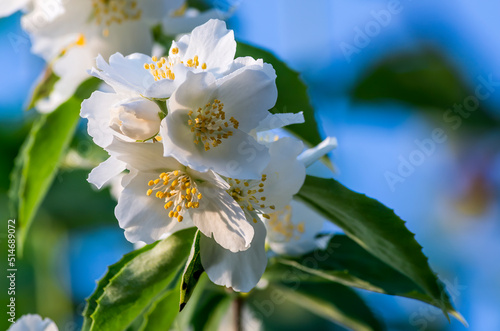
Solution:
(238, 308)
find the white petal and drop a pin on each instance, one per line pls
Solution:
(285, 174)
(105, 172)
(145, 157)
(276, 121)
(293, 230)
(143, 217)
(33, 323)
(247, 95)
(311, 155)
(116, 186)
(97, 110)
(241, 270)
(125, 74)
(213, 44)
(193, 93)
(248, 62)
(221, 218)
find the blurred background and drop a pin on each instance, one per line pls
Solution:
(411, 90)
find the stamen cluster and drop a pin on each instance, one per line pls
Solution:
(244, 191)
(210, 125)
(178, 190)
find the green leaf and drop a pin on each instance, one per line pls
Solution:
(423, 79)
(378, 230)
(192, 273)
(347, 263)
(41, 155)
(292, 94)
(332, 301)
(140, 282)
(44, 87)
(103, 282)
(162, 313)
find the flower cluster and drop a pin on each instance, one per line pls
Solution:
(185, 130)
(69, 34)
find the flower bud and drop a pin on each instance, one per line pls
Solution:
(137, 119)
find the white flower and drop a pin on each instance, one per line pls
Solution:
(294, 229)
(281, 179)
(32, 322)
(210, 120)
(161, 196)
(209, 48)
(70, 34)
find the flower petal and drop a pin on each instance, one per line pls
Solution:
(276, 121)
(311, 155)
(97, 110)
(105, 172)
(146, 157)
(285, 174)
(126, 74)
(143, 217)
(241, 270)
(214, 45)
(219, 216)
(193, 93)
(247, 95)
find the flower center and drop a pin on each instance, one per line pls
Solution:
(210, 126)
(178, 191)
(162, 68)
(250, 195)
(107, 12)
(281, 222)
